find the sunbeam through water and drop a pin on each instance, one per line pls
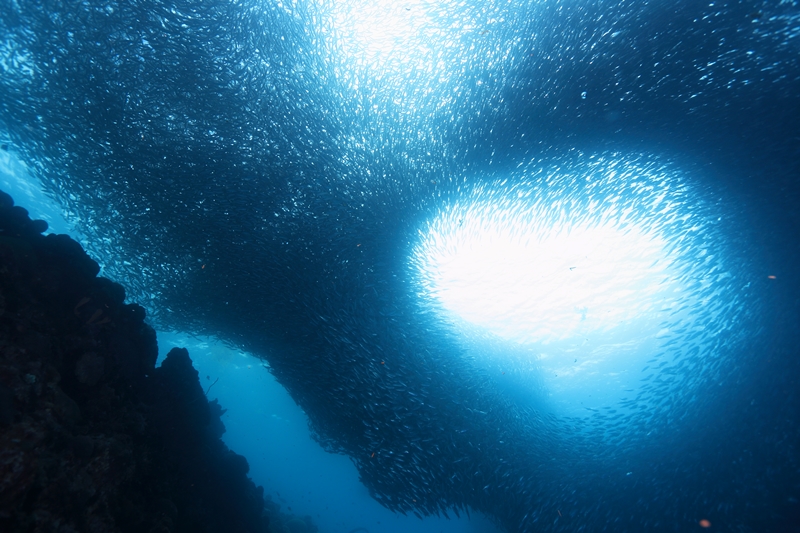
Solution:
(589, 269)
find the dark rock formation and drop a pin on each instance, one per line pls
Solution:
(93, 437)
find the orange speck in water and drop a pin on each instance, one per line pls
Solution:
(383, 362)
(771, 277)
(202, 267)
(373, 454)
(705, 523)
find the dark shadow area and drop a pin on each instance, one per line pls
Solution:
(93, 437)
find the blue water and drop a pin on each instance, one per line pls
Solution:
(533, 259)
(262, 422)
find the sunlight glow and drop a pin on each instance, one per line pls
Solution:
(527, 283)
(372, 32)
(383, 34)
(569, 257)
(592, 280)
(411, 54)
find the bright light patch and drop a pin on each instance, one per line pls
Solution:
(600, 277)
(405, 53)
(572, 255)
(376, 37)
(371, 32)
(530, 283)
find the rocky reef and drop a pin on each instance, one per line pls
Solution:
(94, 437)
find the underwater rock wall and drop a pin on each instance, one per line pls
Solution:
(93, 437)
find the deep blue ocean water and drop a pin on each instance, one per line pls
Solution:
(538, 260)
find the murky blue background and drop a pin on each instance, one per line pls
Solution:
(298, 179)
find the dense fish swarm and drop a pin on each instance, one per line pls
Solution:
(261, 171)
